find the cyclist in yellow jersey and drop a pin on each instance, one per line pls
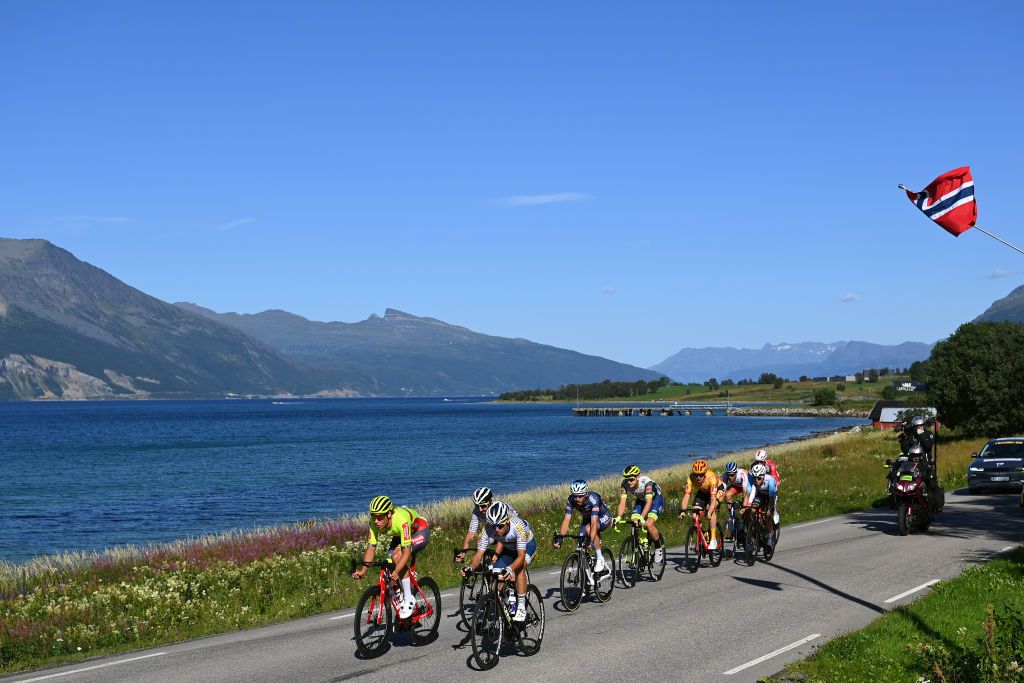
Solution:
(709, 489)
(410, 534)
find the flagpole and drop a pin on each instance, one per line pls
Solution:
(999, 239)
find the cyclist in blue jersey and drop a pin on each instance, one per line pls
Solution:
(648, 504)
(762, 489)
(596, 518)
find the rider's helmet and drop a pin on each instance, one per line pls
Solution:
(381, 505)
(497, 513)
(917, 424)
(482, 496)
(915, 452)
(758, 470)
(700, 467)
(631, 471)
(730, 468)
(761, 455)
(579, 487)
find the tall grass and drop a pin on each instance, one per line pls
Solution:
(62, 607)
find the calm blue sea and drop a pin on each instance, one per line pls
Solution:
(91, 475)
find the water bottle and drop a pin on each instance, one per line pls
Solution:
(511, 599)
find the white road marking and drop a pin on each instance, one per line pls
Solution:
(1009, 547)
(447, 595)
(90, 668)
(343, 616)
(553, 573)
(912, 590)
(801, 526)
(768, 656)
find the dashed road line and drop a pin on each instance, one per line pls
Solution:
(912, 590)
(91, 668)
(755, 662)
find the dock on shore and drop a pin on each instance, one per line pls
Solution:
(648, 411)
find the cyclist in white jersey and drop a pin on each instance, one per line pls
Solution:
(514, 548)
(482, 499)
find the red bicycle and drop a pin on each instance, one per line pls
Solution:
(376, 614)
(697, 546)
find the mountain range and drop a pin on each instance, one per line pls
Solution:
(70, 330)
(1009, 308)
(789, 360)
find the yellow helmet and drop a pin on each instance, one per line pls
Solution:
(631, 471)
(381, 505)
(700, 467)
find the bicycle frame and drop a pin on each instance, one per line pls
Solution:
(377, 606)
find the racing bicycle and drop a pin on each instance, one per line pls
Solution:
(492, 620)
(376, 616)
(636, 555)
(578, 576)
(697, 544)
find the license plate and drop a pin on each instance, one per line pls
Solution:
(1000, 479)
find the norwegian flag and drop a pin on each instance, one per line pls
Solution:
(949, 201)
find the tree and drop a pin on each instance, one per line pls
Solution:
(859, 377)
(976, 379)
(777, 384)
(889, 393)
(712, 384)
(883, 372)
(804, 378)
(872, 375)
(826, 396)
(767, 378)
(919, 370)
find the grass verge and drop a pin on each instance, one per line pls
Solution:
(970, 628)
(63, 608)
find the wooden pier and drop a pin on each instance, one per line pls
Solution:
(648, 411)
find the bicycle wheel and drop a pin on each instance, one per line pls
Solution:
(629, 562)
(715, 556)
(769, 550)
(752, 533)
(531, 632)
(571, 582)
(427, 616)
(488, 627)
(654, 568)
(467, 599)
(604, 583)
(691, 550)
(372, 623)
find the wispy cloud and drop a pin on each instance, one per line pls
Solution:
(849, 297)
(998, 273)
(607, 290)
(540, 199)
(237, 223)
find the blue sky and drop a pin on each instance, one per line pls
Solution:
(622, 181)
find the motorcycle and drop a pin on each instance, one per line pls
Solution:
(910, 497)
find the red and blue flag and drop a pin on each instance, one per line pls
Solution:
(949, 201)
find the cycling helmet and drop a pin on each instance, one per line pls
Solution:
(579, 487)
(761, 455)
(381, 505)
(759, 470)
(631, 471)
(700, 467)
(731, 467)
(497, 514)
(482, 496)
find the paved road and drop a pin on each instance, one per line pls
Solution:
(828, 577)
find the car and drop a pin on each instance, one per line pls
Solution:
(999, 465)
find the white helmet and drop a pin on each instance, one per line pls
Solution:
(579, 487)
(759, 470)
(761, 455)
(482, 495)
(497, 514)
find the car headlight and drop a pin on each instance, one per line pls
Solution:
(976, 469)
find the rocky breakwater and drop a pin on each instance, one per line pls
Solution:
(797, 411)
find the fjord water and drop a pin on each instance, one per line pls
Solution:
(91, 475)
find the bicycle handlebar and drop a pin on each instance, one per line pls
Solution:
(489, 552)
(375, 563)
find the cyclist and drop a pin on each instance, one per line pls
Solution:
(596, 518)
(514, 549)
(410, 534)
(648, 504)
(762, 488)
(709, 488)
(762, 457)
(482, 499)
(734, 479)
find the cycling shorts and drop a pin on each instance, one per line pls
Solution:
(419, 541)
(657, 508)
(509, 555)
(703, 498)
(603, 522)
